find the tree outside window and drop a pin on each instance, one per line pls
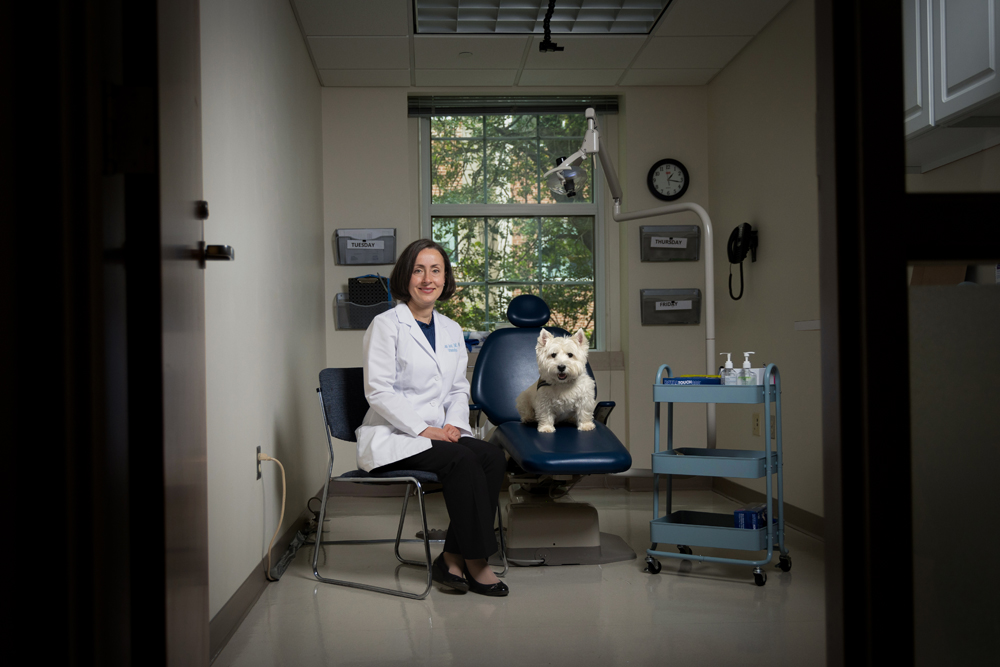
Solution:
(481, 165)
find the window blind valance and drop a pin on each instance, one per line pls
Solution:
(439, 105)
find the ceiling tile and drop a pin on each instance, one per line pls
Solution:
(668, 77)
(466, 77)
(585, 53)
(350, 17)
(365, 77)
(717, 17)
(488, 52)
(690, 52)
(570, 77)
(361, 52)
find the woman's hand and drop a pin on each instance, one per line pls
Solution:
(441, 434)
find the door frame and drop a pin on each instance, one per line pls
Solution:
(870, 229)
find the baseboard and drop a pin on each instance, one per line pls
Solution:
(795, 517)
(228, 619)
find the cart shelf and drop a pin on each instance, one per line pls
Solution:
(710, 393)
(748, 464)
(706, 529)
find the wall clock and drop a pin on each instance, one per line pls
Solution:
(668, 180)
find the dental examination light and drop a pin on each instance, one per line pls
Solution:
(567, 182)
(560, 176)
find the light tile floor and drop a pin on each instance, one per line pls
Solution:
(616, 614)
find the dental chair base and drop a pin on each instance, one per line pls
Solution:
(542, 531)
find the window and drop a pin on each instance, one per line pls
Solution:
(484, 200)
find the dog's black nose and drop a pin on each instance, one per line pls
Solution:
(561, 368)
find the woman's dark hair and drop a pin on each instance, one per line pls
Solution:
(399, 281)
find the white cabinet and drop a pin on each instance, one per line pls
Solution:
(917, 66)
(951, 57)
(965, 55)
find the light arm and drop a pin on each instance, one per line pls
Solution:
(592, 144)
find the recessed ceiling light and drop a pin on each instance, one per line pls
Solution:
(499, 17)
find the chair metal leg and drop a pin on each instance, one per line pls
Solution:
(399, 531)
(503, 541)
(378, 589)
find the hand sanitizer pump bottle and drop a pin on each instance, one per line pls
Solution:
(728, 373)
(746, 376)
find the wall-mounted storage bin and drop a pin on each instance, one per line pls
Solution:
(670, 306)
(669, 243)
(354, 316)
(366, 246)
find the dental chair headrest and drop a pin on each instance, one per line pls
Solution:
(528, 310)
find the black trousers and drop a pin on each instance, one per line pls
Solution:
(471, 472)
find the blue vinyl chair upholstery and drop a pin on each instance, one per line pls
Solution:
(507, 366)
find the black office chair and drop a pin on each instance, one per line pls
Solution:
(342, 397)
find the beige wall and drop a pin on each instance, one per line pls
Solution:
(762, 156)
(264, 323)
(367, 140)
(661, 122)
(748, 142)
(980, 172)
(370, 126)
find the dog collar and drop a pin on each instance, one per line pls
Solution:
(542, 383)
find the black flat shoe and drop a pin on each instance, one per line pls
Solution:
(497, 590)
(440, 574)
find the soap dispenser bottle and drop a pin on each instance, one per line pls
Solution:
(728, 374)
(746, 376)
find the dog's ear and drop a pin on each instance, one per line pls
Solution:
(580, 338)
(543, 338)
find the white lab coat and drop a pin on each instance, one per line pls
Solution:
(409, 386)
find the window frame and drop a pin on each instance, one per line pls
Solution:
(594, 209)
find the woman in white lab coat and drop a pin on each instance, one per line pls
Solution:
(415, 363)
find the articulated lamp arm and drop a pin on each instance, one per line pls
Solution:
(592, 144)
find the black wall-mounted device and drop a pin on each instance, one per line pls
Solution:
(743, 240)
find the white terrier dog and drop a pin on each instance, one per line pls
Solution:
(564, 391)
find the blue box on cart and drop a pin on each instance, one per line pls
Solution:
(752, 517)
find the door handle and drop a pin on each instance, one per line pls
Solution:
(220, 252)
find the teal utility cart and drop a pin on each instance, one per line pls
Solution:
(709, 529)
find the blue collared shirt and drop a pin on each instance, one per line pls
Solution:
(428, 330)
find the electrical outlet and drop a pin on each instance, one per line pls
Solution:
(258, 463)
(756, 424)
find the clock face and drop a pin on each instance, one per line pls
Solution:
(668, 180)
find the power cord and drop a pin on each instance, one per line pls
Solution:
(265, 457)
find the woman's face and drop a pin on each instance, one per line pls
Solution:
(427, 279)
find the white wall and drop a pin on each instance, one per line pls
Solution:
(264, 322)
(762, 155)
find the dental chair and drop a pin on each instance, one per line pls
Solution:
(544, 526)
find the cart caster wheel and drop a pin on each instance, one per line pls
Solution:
(785, 563)
(684, 549)
(652, 565)
(759, 576)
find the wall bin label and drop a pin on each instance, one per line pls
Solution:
(673, 305)
(667, 242)
(365, 245)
